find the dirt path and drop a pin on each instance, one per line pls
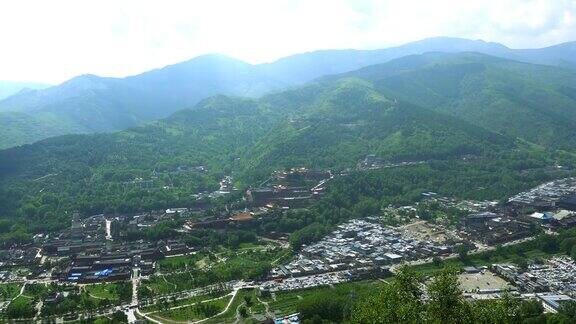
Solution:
(234, 293)
(166, 320)
(38, 309)
(191, 304)
(238, 316)
(147, 317)
(168, 282)
(279, 258)
(266, 307)
(96, 297)
(19, 294)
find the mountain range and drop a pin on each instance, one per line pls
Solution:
(89, 103)
(521, 100)
(445, 109)
(9, 88)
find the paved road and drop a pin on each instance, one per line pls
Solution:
(135, 283)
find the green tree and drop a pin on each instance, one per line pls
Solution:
(531, 308)
(119, 317)
(446, 303)
(398, 302)
(248, 301)
(573, 253)
(437, 261)
(567, 244)
(462, 251)
(568, 309)
(504, 310)
(243, 311)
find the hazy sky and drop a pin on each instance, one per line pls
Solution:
(53, 40)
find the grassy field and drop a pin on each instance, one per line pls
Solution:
(78, 299)
(21, 307)
(166, 284)
(186, 301)
(203, 259)
(36, 290)
(9, 290)
(230, 315)
(103, 291)
(196, 312)
(285, 303)
(180, 263)
(225, 266)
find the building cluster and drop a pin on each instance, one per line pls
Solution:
(472, 206)
(139, 182)
(94, 249)
(494, 228)
(549, 195)
(296, 188)
(288, 319)
(188, 168)
(94, 261)
(238, 217)
(304, 282)
(360, 244)
(226, 186)
(552, 204)
(372, 162)
(21, 256)
(557, 275)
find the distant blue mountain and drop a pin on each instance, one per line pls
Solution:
(8, 88)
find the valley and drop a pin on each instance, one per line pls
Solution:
(265, 196)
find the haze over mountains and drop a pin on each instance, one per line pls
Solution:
(8, 88)
(90, 103)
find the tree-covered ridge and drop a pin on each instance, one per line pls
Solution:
(9, 88)
(95, 173)
(353, 120)
(532, 102)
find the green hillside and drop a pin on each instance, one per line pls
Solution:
(330, 125)
(19, 128)
(349, 120)
(532, 102)
(92, 104)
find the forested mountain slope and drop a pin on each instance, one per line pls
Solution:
(89, 103)
(326, 125)
(8, 88)
(532, 102)
(349, 119)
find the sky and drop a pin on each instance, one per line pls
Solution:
(54, 40)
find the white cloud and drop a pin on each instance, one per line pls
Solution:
(54, 40)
